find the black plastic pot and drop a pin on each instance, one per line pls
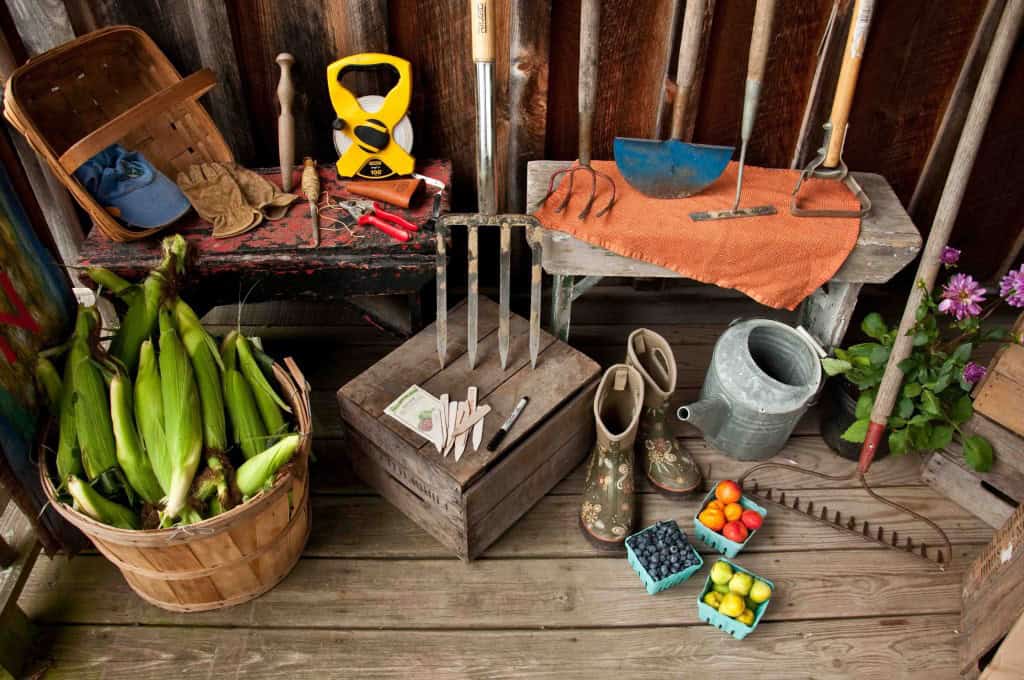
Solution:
(838, 412)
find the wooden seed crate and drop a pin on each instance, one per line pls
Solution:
(993, 596)
(468, 504)
(990, 496)
(1000, 394)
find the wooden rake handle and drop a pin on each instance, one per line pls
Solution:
(856, 39)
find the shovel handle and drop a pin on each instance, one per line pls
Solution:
(686, 69)
(590, 27)
(481, 19)
(856, 38)
(760, 38)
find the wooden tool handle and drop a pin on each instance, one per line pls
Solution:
(590, 27)
(764, 14)
(481, 19)
(847, 84)
(760, 38)
(286, 121)
(686, 69)
(947, 211)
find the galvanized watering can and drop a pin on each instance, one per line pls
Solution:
(763, 377)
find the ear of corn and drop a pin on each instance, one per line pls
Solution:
(246, 423)
(149, 414)
(259, 470)
(69, 454)
(49, 383)
(206, 364)
(268, 402)
(228, 351)
(182, 414)
(123, 289)
(92, 419)
(130, 454)
(139, 322)
(93, 504)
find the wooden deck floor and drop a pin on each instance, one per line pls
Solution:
(376, 597)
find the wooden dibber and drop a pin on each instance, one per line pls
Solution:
(286, 121)
(311, 190)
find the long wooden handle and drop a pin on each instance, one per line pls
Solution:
(764, 15)
(847, 83)
(590, 27)
(686, 69)
(760, 38)
(286, 121)
(945, 217)
(481, 19)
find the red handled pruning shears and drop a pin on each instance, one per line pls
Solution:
(368, 212)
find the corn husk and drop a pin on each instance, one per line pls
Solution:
(48, 383)
(247, 427)
(125, 290)
(183, 429)
(93, 504)
(270, 405)
(131, 455)
(92, 419)
(258, 472)
(149, 415)
(206, 364)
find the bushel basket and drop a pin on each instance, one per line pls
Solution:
(112, 85)
(224, 560)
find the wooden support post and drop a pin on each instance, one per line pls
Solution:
(827, 312)
(561, 306)
(42, 29)
(17, 636)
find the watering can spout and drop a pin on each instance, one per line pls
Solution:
(707, 414)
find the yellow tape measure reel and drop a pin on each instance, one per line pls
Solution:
(372, 144)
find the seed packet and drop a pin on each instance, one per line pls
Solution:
(417, 409)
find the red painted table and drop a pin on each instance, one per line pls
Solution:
(276, 260)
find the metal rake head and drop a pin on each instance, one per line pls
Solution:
(553, 185)
(835, 519)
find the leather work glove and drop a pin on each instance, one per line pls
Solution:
(260, 193)
(218, 199)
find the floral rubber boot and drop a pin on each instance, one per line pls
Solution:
(671, 470)
(609, 506)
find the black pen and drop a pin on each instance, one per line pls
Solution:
(500, 434)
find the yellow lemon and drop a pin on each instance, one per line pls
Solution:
(732, 605)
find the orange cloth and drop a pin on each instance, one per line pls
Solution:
(777, 260)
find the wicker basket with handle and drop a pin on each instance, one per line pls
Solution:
(112, 85)
(227, 559)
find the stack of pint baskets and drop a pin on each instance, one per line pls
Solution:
(112, 85)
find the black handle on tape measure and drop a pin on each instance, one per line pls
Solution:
(364, 68)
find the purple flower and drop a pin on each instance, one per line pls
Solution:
(973, 372)
(1011, 287)
(961, 297)
(949, 256)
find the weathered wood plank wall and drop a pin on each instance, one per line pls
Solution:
(913, 58)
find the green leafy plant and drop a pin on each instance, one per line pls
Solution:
(938, 376)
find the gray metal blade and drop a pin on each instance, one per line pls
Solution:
(441, 326)
(473, 305)
(504, 274)
(536, 278)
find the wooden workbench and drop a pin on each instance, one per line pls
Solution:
(888, 241)
(275, 259)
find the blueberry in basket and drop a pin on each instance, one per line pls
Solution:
(663, 550)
